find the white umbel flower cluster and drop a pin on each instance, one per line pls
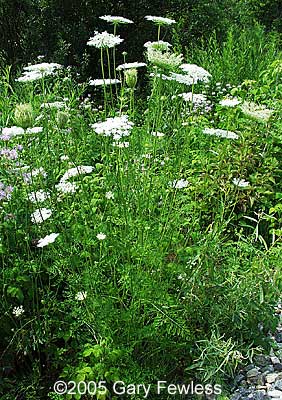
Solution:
(228, 102)
(103, 82)
(38, 197)
(64, 186)
(38, 71)
(116, 20)
(80, 296)
(104, 40)
(221, 133)
(256, 111)
(47, 240)
(18, 311)
(241, 183)
(160, 20)
(132, 65)
(179, 184)
(117, 127)
(161, 57)
(195, 73)
(40, 215)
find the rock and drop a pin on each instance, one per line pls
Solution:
(278, 367)
(253, 373)
(268, 368)
(262, 360)
(278, 337)
(239, 378)
(278, 384)
(275, 360)
(276, 394)
(259, 395)
(248, 367)
(270, 378)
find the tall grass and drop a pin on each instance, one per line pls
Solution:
(243, 55)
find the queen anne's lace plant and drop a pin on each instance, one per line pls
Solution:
(179, 184)
(132, 65)
(109, 195)
(116, 20)
(104, 40)
(230, 102)
(101, 236)
(81, 169)
(38, 71)
(47, 240)
(55, 104)
(39, 196)
(80, 296)
(241, 182)
(28, 176)
(180, 78)
(256, 111)
(40, 215)
(159, 45)
(196, 73)
(18, 311)
(117, 127)
(160, 20)
(66, 187)
(221, 133)
(164, 59)
(198, 100)
(103, 82)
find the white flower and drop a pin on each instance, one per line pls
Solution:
(160, 20)
(80, 296)
(27, 176)
(114, 126)
(36, 129)
(241, 182)
(230, 102)
(101, 236)
(102, 82)
(121, 144)
(160, 45)
(164, 59)
(116, 20)
(81, 169)
(104, 40)
(43, 68)
(66, 187)
(221, 133)
(18, 311)
(37, 71)
(130, 66)
(179, 184)
(40, 215)
(64, 158)
(55, 104)
(256, 111)
(195, 72)
(157, 134)
(38, 196)
(185, 79)
(47, 240)
(109, 195)
(8, 133)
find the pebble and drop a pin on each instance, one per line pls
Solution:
(277, 394)
(270, 378)
(275, 360)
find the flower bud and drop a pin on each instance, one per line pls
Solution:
(23, 115)
(62, 119)
(131, 77)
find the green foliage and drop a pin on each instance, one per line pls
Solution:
(165, 267)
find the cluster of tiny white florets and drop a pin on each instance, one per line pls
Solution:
(198, 100)
(159, 55)
(37, 71)
(116, 20)
(256, 111)
(221, 133)
(196, 73)
(160, 20)
(132, 65)
(117, 127)
(104, 40)
(103, 82)
(64, 186)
